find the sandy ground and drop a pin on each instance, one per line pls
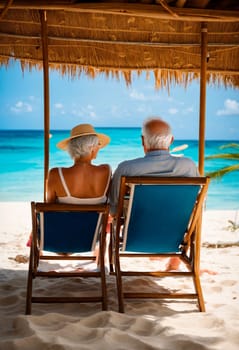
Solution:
(146, 324)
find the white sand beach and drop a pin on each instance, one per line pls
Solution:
(147, 324)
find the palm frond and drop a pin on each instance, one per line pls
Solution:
(220, 172)
(233, 156)
(229, 145)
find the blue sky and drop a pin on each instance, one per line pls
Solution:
(107, 102)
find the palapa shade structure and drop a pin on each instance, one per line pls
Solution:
(178, 41)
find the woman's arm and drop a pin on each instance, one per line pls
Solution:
(51, 181)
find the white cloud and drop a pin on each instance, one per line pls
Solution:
(188, 110)
(137, 95)
(173, 111)
(87, 111)
(19, 104)
(59, 108)
(92, 114)
(58, 105)
(77, 113)
(140, 96)
(231, 107)
(21, 107)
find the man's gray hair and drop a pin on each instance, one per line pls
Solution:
(82, 146)
(157, 140)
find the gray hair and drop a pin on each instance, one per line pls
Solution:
(82, 146)
(156, 139)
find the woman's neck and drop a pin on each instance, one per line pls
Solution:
(82, 160)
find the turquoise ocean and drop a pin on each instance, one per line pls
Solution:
(22, 160)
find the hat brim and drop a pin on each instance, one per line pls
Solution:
(103, 140)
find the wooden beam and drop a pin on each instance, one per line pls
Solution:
(111, 42)
(5, 9)
(130, 9)
(53, 23)
(46, 97)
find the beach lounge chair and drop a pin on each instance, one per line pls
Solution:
(67, 232)
(163, 220)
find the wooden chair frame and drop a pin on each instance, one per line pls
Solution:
(188, 252)
(36, 254)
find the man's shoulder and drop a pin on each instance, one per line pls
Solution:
(181, 158)
(130, 162)
(187, 166)
(129, 167)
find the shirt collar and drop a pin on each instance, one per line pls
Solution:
(156, 153)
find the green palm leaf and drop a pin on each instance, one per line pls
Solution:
(229, 145)
(233, 156)
(220, 172)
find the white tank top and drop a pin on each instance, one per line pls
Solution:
(68, 199)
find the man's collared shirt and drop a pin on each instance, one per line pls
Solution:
(154, 163)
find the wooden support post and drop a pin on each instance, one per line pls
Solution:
(46, 96)
(203, 84)
(202, 123)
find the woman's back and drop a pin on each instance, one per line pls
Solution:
(81, 183)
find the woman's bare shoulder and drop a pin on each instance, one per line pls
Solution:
(53, 171)
(53, 174)
(104, 167)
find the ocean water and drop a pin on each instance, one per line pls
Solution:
(22, 161)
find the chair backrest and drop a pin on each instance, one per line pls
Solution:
(160, 211)
(69, 228)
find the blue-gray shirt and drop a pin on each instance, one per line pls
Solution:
(154, 163)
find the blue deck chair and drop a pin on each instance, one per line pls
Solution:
(69, 231)
(163, 219)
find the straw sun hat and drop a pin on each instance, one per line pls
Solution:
(83, 130)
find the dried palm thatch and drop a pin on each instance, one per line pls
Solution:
(118, 38)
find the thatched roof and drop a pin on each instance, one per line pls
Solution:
(163, 36)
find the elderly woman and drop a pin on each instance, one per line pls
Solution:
(83, 182)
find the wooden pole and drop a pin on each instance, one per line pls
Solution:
(46, 96)
(203, 84)
(202, 122)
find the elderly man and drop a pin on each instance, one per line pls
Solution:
(157, 161)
